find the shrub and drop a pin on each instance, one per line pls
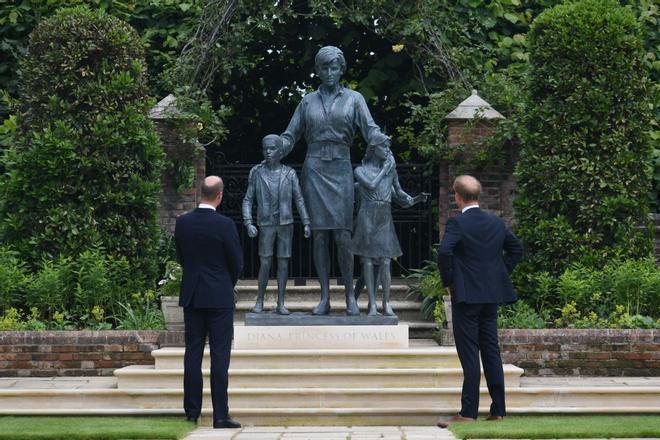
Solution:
(427, 285)
(519, 315)
(51, 287)
(632, 284)
(583, 171)
(143, 315)
(85, 169)
(13, 279)
(170, 285)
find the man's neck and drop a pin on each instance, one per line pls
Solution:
(208, 203)
(469, 205)
(273, 166)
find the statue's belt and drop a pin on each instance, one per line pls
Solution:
(329, 150)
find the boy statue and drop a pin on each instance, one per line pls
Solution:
(273, 185)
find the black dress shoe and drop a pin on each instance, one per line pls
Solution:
(226, 423)
(191, 419)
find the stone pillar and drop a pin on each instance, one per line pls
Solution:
(469, 126)
(173, 202)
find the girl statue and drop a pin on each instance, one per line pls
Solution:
(374, 238)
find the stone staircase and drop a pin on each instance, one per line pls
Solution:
(344, 387)
(304, 298)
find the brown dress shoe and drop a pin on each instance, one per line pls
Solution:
(494, 418)
(453, 419)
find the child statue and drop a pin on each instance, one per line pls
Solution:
(274, 186)
(374, 238)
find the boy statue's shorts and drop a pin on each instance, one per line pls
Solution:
(267, 235)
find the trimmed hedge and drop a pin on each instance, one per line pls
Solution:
(584, 170)
(84, 171)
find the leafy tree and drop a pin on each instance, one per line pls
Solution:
(584, 169)
(84, 171)
(163, 25)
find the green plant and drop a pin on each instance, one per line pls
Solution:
(33, 321)
(13, 279)
(520, 315)
(142, 315)
(170, 285)
(84, 171)
(427, 285)
(11, 319)
(51, 287)
(62, 321)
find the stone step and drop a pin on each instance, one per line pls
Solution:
(421, 355)
(140, 377)
(347, 401)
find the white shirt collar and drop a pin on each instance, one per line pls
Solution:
(469, 207)
(206, 206)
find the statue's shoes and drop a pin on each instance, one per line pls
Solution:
(281, 310)
(321, 309)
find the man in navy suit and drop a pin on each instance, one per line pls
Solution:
(476, 256)
(209, 251)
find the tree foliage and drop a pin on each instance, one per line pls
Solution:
(84, 171)
(584, 168)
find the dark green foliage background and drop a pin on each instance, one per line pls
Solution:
(584, 170)
(84, 171)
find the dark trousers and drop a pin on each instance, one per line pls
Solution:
(218, 324)
(475, 331)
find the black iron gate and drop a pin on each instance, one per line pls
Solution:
(414, 226)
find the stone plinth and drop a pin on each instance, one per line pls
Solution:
(321, 336)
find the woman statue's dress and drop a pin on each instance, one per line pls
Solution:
(328, 125)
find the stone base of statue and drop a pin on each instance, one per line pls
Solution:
(252, 337)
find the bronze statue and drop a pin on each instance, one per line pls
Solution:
(374, 239)
(328, 119)
(274, 186)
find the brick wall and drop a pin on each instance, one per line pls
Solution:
(172, 202)
(498, 182)
(579, 352)
(551, 352)
(74, 353)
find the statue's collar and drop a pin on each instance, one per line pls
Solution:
(338, 90)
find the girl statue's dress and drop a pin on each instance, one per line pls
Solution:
(374, 235)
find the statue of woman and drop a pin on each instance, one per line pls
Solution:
(328, 119)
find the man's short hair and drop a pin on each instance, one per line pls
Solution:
(210, 191)
(273, 137)
(468, 187)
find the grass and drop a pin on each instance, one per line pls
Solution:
(600, 426)
(93, 428)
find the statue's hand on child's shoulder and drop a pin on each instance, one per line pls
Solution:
(389, 164)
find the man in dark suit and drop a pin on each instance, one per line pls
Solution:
(209, 251)
(476, 256)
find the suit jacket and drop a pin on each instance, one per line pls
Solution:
(209, 250)
(471, 259)
(288, 189)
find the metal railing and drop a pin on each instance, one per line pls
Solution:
(414, 226)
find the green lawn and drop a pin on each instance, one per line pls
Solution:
(601, 426)
(93, 428)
